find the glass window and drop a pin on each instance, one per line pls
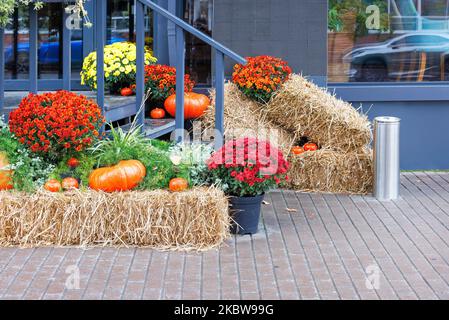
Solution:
(199, 13)
(388, 40)
(16, 45)
(17, 50)
(120, 22)
(50, 41)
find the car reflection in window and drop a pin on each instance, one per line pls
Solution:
(48, 52)
(420, 56)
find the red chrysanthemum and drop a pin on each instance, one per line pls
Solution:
(56, 123)
(248, 166)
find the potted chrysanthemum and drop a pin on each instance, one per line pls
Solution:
(245, 169)
(119, 67)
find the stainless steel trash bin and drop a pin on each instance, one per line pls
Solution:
(386, 158)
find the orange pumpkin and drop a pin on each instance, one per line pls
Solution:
(157, 113)
(194, 105)
(5, 175)
(310, 146)
(178, 184)
(126, 92)
(70, 183)
(53, 185)
(73, 162)
(297, 150)
(125, 175)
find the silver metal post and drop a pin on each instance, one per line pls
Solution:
(386, 158)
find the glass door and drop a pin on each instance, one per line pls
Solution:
(199, 13)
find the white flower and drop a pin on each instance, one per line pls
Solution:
(175, 159)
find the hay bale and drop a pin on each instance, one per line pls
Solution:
(331, 171)
(244, 117)
(304, 109)
(344, 162)
(197, 219)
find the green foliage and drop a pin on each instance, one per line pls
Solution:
(132, 145)
(334, 21)
(193, 156)
(81, 172)
(30, 171)
(337, 8)
(160, 144)
(7, 9)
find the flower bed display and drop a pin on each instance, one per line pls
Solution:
(196, 219)
(62, 183)
(326, 139)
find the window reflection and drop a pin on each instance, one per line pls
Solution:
(16, 45)
(388, 40)
(199, 13)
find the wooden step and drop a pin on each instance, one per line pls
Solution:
(155, 128)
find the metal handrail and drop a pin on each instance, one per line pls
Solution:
(181, 27)
(200, 35)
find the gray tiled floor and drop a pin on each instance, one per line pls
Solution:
(310, 246)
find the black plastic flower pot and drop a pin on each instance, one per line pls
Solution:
(245, 213)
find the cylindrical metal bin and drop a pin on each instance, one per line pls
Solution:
(386, 158)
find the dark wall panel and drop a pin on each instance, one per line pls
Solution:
(295, 30)
(424, 131)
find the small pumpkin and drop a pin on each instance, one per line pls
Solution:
(70, 183)
(194, 105)
(73, 162)
(5, 175)
(126, 92)
(297, 150)
(310, 147)
(157, 113)
(178, 184)
(53, 185)
(125, 175)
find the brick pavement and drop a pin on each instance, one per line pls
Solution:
(325, 248)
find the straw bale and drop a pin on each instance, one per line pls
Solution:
(197, 219)
(244, 117)
(332, 172)
(305, 109)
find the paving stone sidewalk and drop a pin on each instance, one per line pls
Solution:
(310, 246)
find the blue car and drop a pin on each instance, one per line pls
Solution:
(48, 53)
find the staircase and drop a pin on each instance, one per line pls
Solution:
(116, 108)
